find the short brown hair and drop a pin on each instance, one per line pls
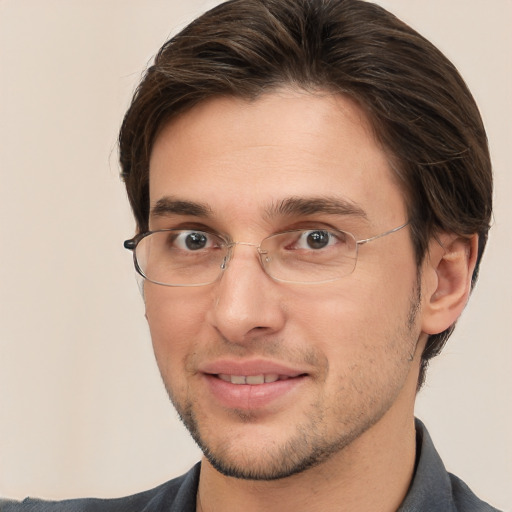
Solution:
(420, 108)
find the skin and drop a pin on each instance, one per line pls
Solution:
(343, 434)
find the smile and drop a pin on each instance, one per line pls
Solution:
(252, 380)
(254, 391)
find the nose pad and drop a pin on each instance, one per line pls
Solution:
(227, 257)
(264, 258)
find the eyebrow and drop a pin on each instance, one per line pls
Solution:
(294, 206)
(171, 206)
(288, 207)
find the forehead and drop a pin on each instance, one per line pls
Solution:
(242, 157)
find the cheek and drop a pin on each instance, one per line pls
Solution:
(175, 319)
(361, 314)
(337, 308)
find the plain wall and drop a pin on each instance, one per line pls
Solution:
(82, 408)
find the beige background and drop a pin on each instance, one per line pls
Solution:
(82, 409)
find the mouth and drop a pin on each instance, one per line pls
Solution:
(254, 380)
(252, 385)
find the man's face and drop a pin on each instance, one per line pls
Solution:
(342, 351)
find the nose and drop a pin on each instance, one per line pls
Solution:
(246, 303)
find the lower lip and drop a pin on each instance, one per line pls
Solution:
(251, 396)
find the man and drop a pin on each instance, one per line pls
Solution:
(312, 189)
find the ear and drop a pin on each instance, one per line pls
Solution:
(446, 280)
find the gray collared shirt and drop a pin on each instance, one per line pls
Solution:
(432, 489)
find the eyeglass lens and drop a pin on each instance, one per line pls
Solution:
(193, 258)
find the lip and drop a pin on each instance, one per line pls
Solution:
(251, 397)
(250, 367)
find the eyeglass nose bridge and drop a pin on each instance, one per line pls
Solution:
(229, 254)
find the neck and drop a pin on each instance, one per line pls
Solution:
(373, 473)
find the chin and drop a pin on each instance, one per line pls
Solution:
(271, 468)
(250, 453)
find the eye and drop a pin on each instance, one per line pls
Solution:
(193, 240)
(315, 239)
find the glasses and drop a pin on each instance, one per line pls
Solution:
(189, 257)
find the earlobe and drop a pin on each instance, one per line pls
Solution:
(447, 274)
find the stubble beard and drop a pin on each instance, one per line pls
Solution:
(308, 446)
(306, 449)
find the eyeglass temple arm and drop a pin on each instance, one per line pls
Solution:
(130, 244)
(366, 240)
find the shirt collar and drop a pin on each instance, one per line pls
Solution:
(430, 488)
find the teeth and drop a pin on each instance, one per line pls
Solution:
(255, 379)
(250, 379)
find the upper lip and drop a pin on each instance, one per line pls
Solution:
(250, 367)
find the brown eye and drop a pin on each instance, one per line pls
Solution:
(318, 239)
(314, 239)
(196, 241)
(193, 240)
